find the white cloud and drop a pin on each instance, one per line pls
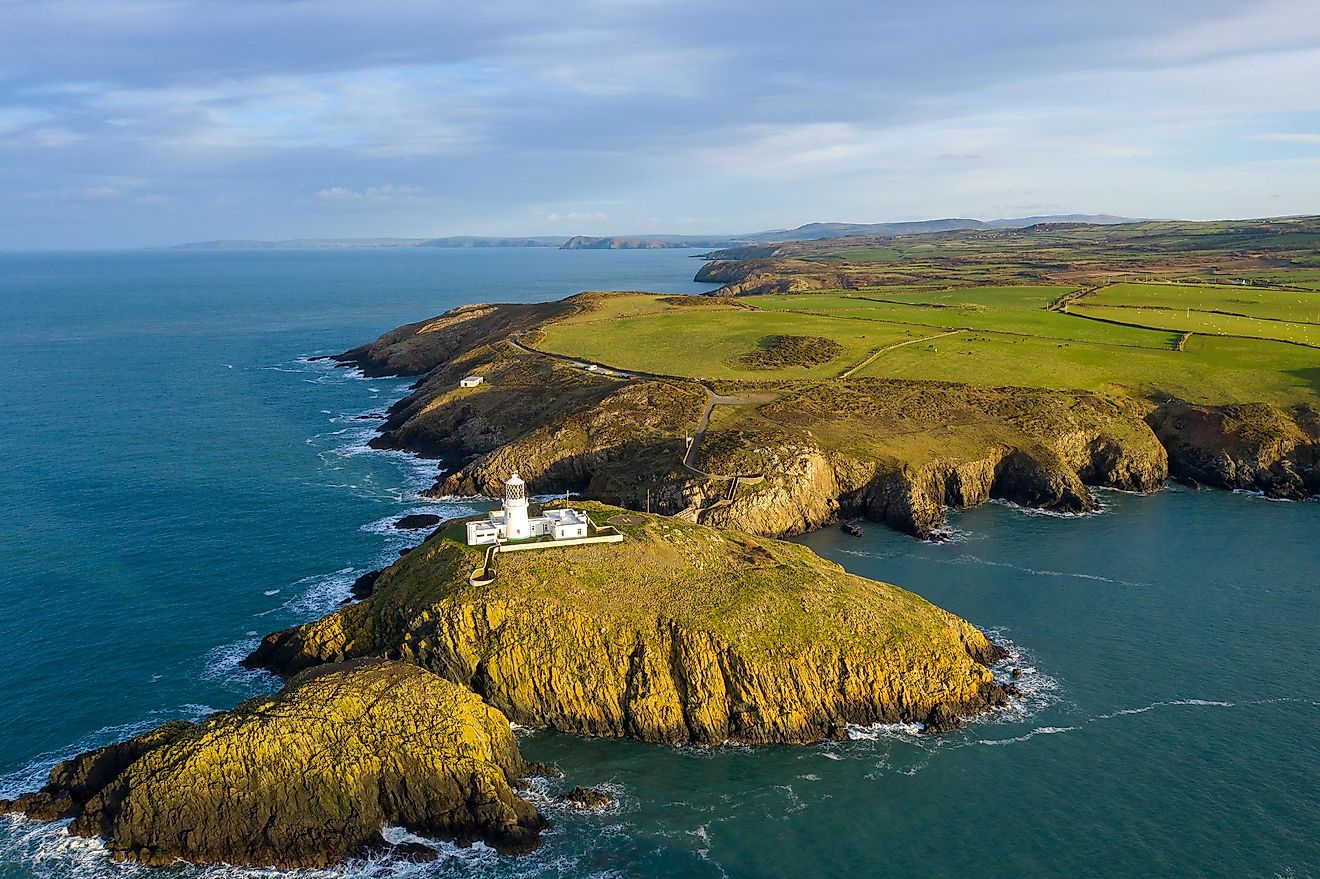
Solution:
(576, 216)
(387, 195)
(1284, 137)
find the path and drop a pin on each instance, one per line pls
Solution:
(871, 359)
(712, 400)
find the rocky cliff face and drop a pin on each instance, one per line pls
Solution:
(1251, 447)
(682, 634)
(939, 446)
(305, 778)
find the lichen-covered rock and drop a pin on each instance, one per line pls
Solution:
(305, 778)
(680, 634)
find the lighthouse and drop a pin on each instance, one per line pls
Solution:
(516, 524)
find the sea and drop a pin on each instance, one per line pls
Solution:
(179, 476)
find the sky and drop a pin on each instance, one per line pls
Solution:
(128, 123)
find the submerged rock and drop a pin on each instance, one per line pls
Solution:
(588, 798)
(305, 778)
(680, 634)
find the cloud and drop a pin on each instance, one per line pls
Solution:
(1283, 137)
(576, 216)
(79, 194)
(616, 115)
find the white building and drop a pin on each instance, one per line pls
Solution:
(511, 521)
(471, 381)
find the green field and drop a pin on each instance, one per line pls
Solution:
(643, 334)
(1209, 323)
(1258, 302)
(994, 336)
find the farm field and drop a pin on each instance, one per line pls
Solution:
(991, 337)
(645, 334)
(1208, 323)
(1258, 302)
(1016, 310)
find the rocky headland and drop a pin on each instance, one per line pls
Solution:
(898, 452)
(305, 778)
(682, 634)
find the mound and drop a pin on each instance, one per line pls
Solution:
(680, 634)
(305, 778)
(777, 352)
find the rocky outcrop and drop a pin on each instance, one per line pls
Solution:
(758, 277)
(306, 778)
(1254, 447)
(940, 446)
(417, 348)
(417, 521)
(682, 634)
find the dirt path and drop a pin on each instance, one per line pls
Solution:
(871, 359)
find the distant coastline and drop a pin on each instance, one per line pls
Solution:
(806, 232)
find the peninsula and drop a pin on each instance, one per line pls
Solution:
(892, 378)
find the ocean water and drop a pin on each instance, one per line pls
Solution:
(178, 479)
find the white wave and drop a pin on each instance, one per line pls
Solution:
(1052, 514)
(878, 731)
(221, 665)
(1038, 731)
(1046, 572)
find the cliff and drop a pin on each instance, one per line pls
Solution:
(942, 445)
(1254, 447)
(305, 778)
(683, 634)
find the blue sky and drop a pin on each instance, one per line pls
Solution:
(146, 122)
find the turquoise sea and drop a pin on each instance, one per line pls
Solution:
(178, 478)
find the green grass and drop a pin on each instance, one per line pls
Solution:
(1004, 310)
(1005, 336)
(1256, 302)
(641, 333)
(1209, 370)
(1210, 323)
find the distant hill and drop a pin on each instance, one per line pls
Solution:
(816, 231)
(808, 232)
(658, 242)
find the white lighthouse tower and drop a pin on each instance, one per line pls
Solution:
(516, 524)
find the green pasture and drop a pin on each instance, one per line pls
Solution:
(1257, 302)
(707, 341)
(991, 309)
(1209, 323)
(1208, 370)
(1004, 336)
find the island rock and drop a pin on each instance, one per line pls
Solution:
(305, 778)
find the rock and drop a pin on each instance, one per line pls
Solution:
(682, 634)
(1017, 674)
(407, 549)
(850, 529)
(417, 521)
(362, 587)
(941, 720)
(305, 778)
(1254, 447)
(588, 798)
